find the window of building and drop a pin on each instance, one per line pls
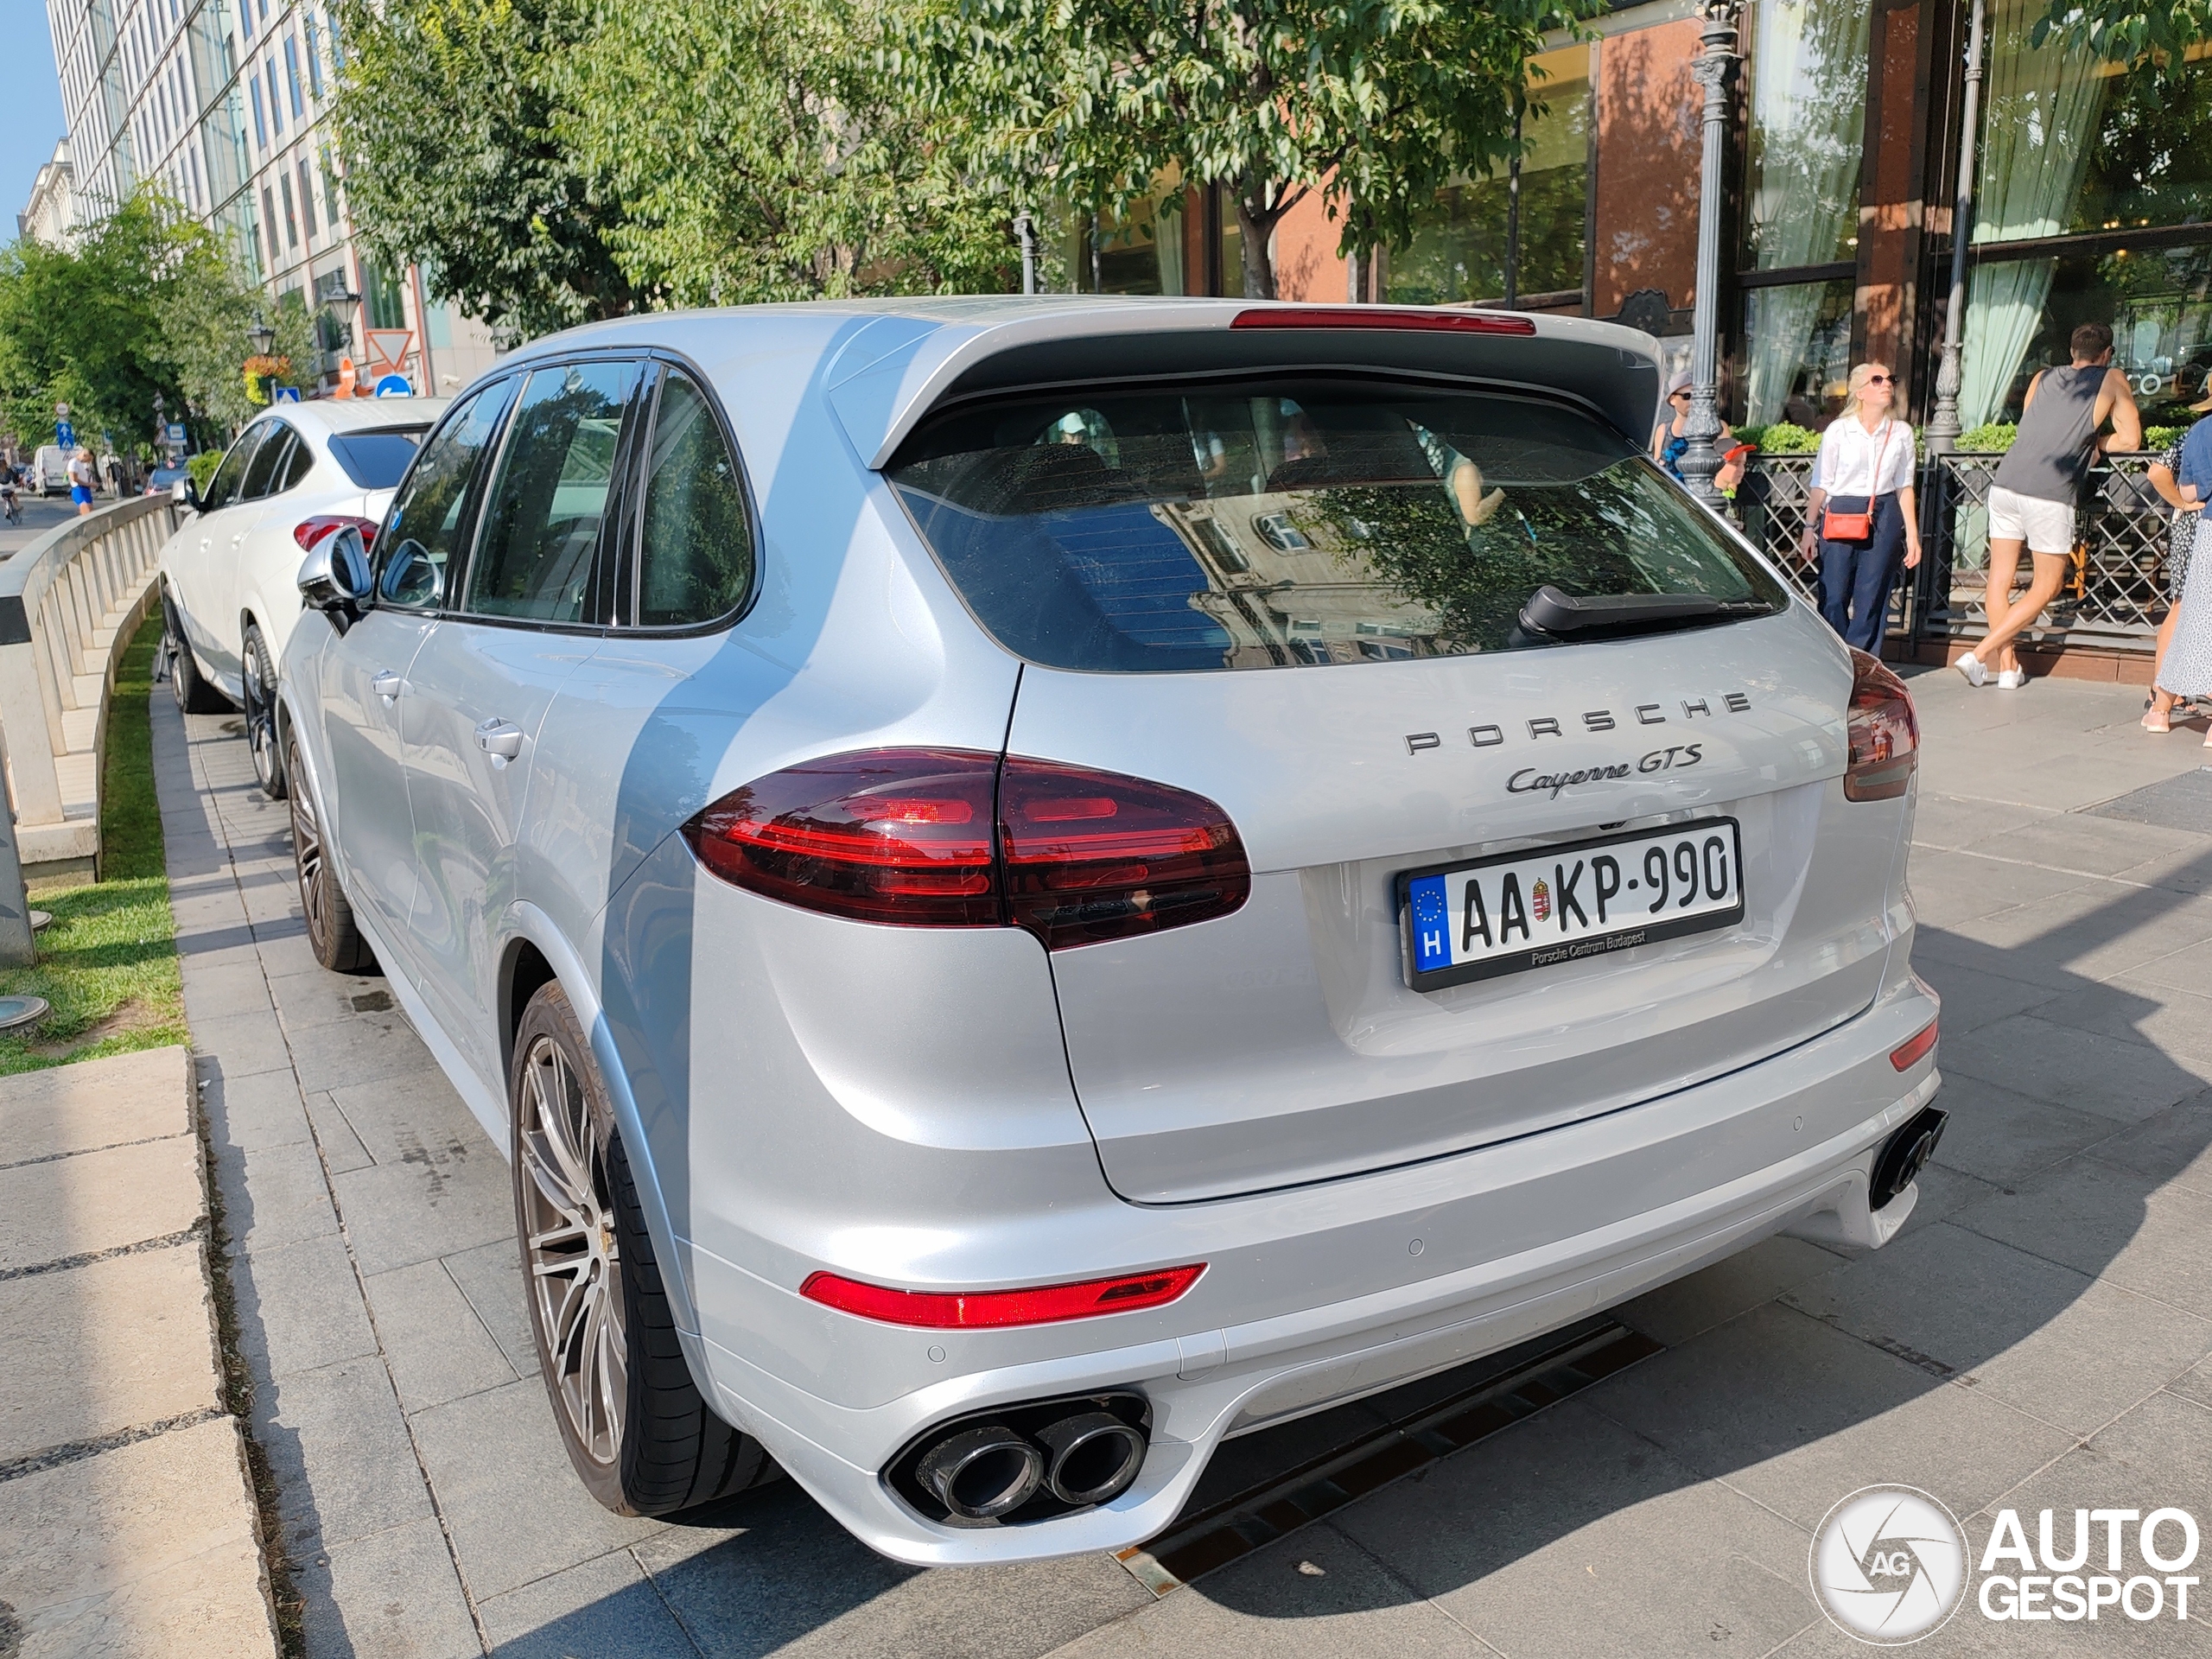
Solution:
(291, 220)
(1794, 354)
(292, 76)
(1807, 98)
(1138, 251)
(383, 300)
(1471, 249)
(2021, 312)
(260, 130)
(276, 104)
(307, 199)
(269, 218)
(314, 58)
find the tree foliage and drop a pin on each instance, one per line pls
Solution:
(2135, 33)
(145, 301)
(764, 151)
(449, 114)
(1376, 104)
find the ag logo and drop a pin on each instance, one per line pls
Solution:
(1889, 1565)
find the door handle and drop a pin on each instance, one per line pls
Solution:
(501, 739)
(385, 684)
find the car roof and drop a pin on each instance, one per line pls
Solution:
(334, 415)
(883, 365)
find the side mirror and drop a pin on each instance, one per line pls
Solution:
(334, 577)
(185, 494)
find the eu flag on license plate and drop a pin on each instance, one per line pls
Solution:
(1431, 924)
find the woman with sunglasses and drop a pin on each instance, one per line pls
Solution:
(1860, 513)
(1669, 440)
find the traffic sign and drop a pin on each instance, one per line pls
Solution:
(174, 432)
(64, 434)
(395, 386)
(61, 411)
(285, 394)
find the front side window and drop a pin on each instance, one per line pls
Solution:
(1283, 522)
(695, 559)
(223, 487)
(427, 519)
(535, 556)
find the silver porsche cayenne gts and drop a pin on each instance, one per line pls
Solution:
(1032, 885)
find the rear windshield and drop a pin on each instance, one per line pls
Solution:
(375, 460)
(1265, 525)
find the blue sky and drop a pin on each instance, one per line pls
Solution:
(30, 112)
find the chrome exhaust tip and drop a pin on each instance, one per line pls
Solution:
(1904, 1154)
(982, 1473)
(1094, 1455)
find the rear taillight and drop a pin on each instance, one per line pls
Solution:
(983, 1310)
(957, 838)
(1885, 733)
(309, 531)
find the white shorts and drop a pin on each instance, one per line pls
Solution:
(2045, 526)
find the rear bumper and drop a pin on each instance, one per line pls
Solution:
(1515, 1240)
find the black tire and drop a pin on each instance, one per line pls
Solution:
(644, 1442)
(332, 934)
(258, 677)
(194, 695)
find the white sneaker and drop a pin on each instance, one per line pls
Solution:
(1970, 665)
(2012, 679)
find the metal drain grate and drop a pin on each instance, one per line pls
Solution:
(2182, 803)
(1281, 1497)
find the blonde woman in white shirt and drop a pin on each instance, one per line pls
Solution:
(1865, 466)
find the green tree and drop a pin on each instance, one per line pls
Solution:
(1376, 104)
(144, 303)
(763, 151)
(448, 113)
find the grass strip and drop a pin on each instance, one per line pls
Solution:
(107, 962)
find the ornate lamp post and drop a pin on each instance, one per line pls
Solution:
(1702, 459)
(1943, 420)
(262, 335)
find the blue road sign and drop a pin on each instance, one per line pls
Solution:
(174, 432)
(395, 386)
(286, 395)
(64, 434)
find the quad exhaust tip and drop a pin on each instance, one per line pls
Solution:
(1028, 1462)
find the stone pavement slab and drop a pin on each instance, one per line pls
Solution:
(127, 1525)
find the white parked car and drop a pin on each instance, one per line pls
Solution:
(229, 592)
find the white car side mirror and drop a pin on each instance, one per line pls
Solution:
(334, 575)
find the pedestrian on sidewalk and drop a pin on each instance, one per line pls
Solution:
(2187, 505)
(1669, 441)
(84, 477)
(2032, 500)
(2185, 667)
(1861, 513)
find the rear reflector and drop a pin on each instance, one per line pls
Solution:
(983, 1310)
(1912, 1053)
(957, 838)
(1365, 316)
(1883, 732)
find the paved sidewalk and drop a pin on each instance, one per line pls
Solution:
(126, 1519)
(2037, 1337)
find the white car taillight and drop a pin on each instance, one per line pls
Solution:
(1885, 733)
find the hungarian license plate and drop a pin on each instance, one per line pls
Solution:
(1551, 904)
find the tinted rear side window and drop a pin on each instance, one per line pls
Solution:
(378, 461)
(1273, 523)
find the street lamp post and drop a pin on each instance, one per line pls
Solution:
(1943, 420)
(262, 335)
(1702, 459)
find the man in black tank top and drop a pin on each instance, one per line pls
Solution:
(2033, 496)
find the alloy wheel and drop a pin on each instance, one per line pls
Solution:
(569, 1246)
(308, 855)
(260, 716)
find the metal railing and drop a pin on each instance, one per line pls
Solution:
(69, 603)
(2114, 598)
